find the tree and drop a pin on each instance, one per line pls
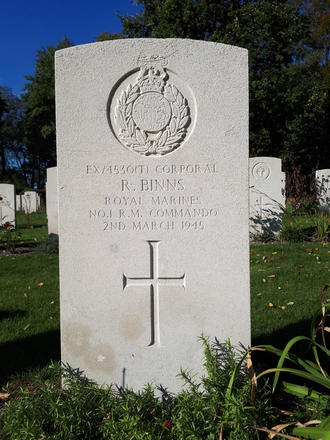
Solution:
(11, 146)
(288, 43)
(39, 116)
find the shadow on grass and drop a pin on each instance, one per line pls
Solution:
(11, 314)
(279, 338)
(282, 336)
(28, 353)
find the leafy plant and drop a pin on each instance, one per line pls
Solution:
(313, 372)
(49, 246)
(82, 410)
(322, 225)
(294, 232)
(8, 236)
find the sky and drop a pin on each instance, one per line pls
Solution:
(26, 26)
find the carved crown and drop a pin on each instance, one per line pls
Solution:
(152, 74)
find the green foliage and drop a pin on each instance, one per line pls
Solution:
(311, 371)
(8, 237)
(37, 219)
(294, 232)
(296, 226)
(322, 226)
(49, 246)
(82, 410)
(11, 147)
(288, 48)
(39, 116)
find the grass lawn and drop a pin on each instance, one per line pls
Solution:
(29, 312)
(37, 219)
(24, 236)
(286, 285)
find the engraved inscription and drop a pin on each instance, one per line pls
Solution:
(153, 198)
(261, 171)
(154, 282)
(152, 115)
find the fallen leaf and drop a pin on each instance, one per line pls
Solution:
(259, 294)
(50, 317)
(29, 287)
(290, 303)
(40, 284)
(52, 302)
(25, 294)
(277, 429)
(271, 276)
(309, 251)
(300, 265)
(4, 396)
(264, 280)
(279, 288)
(271, 260)
(274, 253)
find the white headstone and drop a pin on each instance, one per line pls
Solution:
(18, 202)
(7, 204)
(52, 200)
(267, 195)
(152, 139)
(29, 201)
(322, 178)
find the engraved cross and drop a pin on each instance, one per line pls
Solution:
(154, 282)
(261, 205)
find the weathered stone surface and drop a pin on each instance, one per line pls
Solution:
(152, 139)
(267, 195)
(322, 178)
(52, 200)
(7, 204)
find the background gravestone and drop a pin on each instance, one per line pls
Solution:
(322, 178)
(152, 140)
(18, 202)
(267, 195)
(7, 204)
(52, 200)
(29, 201)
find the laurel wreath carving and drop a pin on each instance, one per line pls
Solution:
(141, 141)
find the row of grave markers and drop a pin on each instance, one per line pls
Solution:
(28, 202)
(266, 196)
